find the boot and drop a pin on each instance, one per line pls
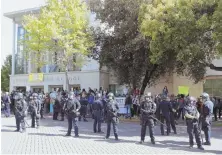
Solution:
(153, 142)
(207, 143)
(200, 147)
(68, 134)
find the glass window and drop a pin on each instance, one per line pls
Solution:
(213, 87)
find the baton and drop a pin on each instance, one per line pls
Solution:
(158, 121)
(26, 123)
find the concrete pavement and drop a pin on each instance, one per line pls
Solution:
(49, 139)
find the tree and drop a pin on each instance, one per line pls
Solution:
(121, 46)
(63, 28)
(181, 32)
(5, 72)
(150, 40)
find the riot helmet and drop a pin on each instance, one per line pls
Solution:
(110, 96)
(98, 96)
(148, 97)
(71, 95)
(19, 96)
(191, 100)
(35, 95)
(205, 97)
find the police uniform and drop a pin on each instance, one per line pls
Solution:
(83, 109)
(111, 116)
(63, 100)
(148, 109)
(56, 109)
(207, 117)
(35, 107)
(191, 115)
(72, 108)
(173, 115)
(42, 105)
(97, 108)
(20, 112)
(165, 109)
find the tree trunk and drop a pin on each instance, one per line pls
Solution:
(67, 79)
(147, 78)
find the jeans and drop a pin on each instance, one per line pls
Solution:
(128, 110)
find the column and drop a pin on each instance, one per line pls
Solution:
(46, 88)
(13, 48)
(28, 88)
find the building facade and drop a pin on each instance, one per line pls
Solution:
(89, 75)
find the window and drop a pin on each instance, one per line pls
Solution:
(213, 87)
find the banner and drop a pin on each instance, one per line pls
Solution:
(121, 103)
(183, 90)
(36, 77)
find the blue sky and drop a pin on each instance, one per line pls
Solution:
(6, 24)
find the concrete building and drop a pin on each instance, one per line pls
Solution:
(89, 75)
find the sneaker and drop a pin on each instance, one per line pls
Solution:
(68, 134)
(106, 137)
(76, 136)
(191, 146)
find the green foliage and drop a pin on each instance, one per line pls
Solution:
(61, 26)
(5, 72)
(122, 48)
(181, 31)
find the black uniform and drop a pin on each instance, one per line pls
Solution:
(148, 109)
(112, 118)
(165, 109)
(64, 99)
(20, 113)
(83, 109)
(173, 115)
(71, 109)
(35, 107)
(56, 109)
(97, 108)
(42, 108)
(207, 120)
(192, 124)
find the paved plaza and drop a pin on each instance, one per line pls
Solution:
(50, 139)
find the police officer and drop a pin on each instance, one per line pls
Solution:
(148, 109)
(192, 116)
(173, 115)
(20, 112)
(207, 117)
(112, 118)
(35, 107)
(164, 111)
(56, 109)
(97, 108)
(41, 99)
(83, 109)
(72, 107)
(63, 100)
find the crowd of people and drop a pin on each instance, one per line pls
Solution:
(102, 106)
